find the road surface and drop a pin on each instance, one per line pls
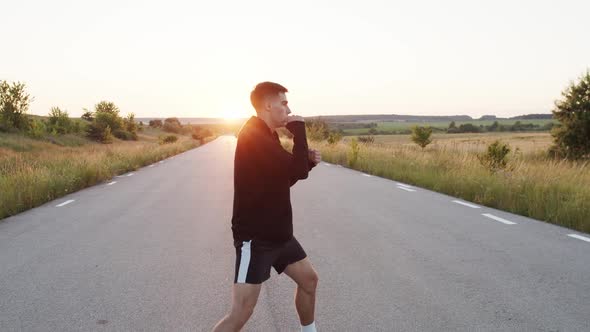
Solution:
(152, 251)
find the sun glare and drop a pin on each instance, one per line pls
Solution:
(232, 113)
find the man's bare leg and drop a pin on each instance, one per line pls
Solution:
(244, 300)
(306, 277)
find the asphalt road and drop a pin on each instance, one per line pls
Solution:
(153, 252)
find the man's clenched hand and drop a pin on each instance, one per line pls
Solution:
(315, 156)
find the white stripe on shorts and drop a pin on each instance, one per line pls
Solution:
(244, 262)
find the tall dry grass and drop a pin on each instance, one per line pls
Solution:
(532, 185)
(38, 172)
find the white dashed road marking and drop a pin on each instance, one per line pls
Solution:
(131, 174)
(403, 185)
(473, 206)
(404, 188)
(367, 175)
(491, 216)
(579, 237)
(64, 203)
(151, 165)
(112, 183)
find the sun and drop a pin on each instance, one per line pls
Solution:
(232, 113)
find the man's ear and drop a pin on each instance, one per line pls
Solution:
(267, 104)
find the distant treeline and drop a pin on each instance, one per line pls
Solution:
(452, 128)
(497, 127)
(424, 118)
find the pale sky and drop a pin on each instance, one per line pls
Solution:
(201, 59)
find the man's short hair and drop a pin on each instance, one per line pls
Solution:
(263, 90)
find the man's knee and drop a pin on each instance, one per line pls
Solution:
(310, 282)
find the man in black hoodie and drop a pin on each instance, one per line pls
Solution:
(262, 222)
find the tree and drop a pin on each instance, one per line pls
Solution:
(14, 104)
(88, 116)
(107, 107)
(421, 136)
(452, 128)
(572, 136)
(468, 128)
(494, 126)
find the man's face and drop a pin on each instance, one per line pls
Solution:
(279, 109)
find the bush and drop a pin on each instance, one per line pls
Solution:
(129, 123)
(366, 139)
(125, 135)
(572, 137)
(106, 115)
(155, 123)
(59, 122)
(334, 137)
(317, 129)
(37, 129)
(106, 136)
(495, 157)
(168, 139)
(200, 134)
(421, 136)
(172, 125)
(14, 104)
(353, 154)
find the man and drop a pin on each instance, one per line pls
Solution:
(262, 217)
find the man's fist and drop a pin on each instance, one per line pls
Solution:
(315, 156)
(292, 118)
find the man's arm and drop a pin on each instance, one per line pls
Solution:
(300, 151)
(264, 156)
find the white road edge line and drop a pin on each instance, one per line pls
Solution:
(130, 174)
(152, 165)
(367, 175)
(403, 185)
(66, 202)
(579, 237)
(466, 204)
(404, 188)
(109, 184)
(161, 161)
(491, 216)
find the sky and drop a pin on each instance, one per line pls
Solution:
(202, 58)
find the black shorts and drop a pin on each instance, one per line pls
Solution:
(254, 259)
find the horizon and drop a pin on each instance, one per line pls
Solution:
(189, 60)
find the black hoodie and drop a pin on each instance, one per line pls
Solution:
(263, 175)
